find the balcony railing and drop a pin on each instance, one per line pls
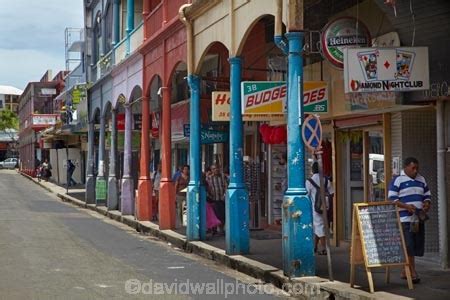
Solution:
(103, 66)
(129, 44)
(154, 20)
(136, 38)
(120, 51)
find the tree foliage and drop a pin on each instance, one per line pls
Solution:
(8, 120)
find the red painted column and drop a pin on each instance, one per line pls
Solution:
(167, 188)
(144, 197)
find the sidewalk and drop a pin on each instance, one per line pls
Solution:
(265, 260)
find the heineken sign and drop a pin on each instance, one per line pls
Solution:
(341, 33)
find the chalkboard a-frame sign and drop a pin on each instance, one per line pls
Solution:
(377, 240)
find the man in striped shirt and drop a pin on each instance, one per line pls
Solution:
(410, 192)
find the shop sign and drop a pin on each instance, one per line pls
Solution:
(270, 97)
(137, 120)
(315, 97)
(386, 69)
(155, 121)
(78, 93)
(208, 135)
(221, 110)
(265, 97)
(100, 190)
(44, 120)
(48, 92)
(120, 122)
(366, 101)
(341, 33)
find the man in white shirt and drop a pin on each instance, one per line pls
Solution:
(313, 189)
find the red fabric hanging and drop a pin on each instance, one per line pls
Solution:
(326, 158)
(273, 134)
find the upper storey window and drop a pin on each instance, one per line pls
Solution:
(97, 38)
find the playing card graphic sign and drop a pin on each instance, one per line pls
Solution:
(386, 69)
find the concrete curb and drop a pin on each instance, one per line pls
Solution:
(301, 288)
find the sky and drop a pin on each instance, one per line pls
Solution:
(32, 37)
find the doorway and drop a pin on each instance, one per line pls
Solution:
(361, 171)
(351, 174)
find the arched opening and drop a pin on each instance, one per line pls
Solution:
(179, 98)
(97, 37)
(136, 111)
(178, 84)
(214, 70)
(120, 127)
(107, 114)
(96, 121)
(155, 122)
(108, 16)
(262, 60)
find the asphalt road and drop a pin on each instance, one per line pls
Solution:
(51, 250)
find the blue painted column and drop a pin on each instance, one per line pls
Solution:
(196, 197)
(237, 233)
(113, 191)
(101, 180)
(298, 243)
(130, 22)
(127, 197)
(90, 176)
(116, 22)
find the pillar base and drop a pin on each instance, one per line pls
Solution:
(298, 236)
(127, 197)
(167, 211)
(144, 200)
(90, 190)
(196, 213)
(237, 232)
(113, 194)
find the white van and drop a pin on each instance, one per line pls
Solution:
(376, 167)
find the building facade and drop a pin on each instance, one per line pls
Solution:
(9, 98)
(367, 134)
(37, 112)
(67, 139)
(115, 31)
(160, 67)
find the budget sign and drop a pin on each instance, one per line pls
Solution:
(315, 97)
(269, 97)
(263, 97)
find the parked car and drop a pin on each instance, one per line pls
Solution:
(9, 163)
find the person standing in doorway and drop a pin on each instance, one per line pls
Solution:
(70, 169)
(313, 189)
(181, 189)
(217, 186)
(47, 170)
(410, 192)
(156, 180)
